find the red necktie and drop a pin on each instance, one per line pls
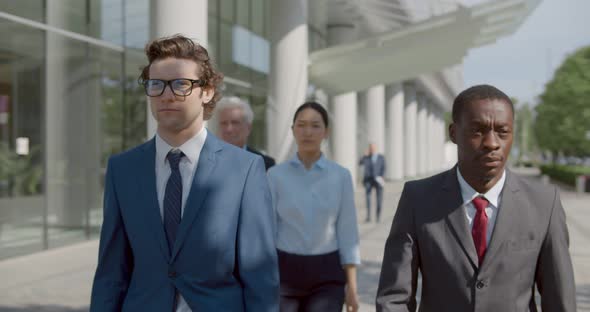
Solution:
(480, 227)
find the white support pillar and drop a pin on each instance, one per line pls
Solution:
(321, 97)
(288, 74)
(421, 126)
(72, 120)
(170, 17)
(432, 153)
(362, 127)
(375, 101)
(441, 125)
(344, 107)
(344, 131)
(394, 146)
(410, 118)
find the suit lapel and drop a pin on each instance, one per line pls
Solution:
(146, 176)
(199, 189)
(506, 219)
(456, 219)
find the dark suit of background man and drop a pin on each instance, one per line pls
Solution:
(481, 236)
(188, 220)
(374, 170)
(234, 124)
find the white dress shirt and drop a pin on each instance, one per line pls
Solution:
(494, 197)
(315, 209)
(187, 166)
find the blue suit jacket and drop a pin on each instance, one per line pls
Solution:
(224, 257)
(378, 167)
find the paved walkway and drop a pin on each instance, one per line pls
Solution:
(60, 279)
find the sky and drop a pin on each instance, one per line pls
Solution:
(522, 63)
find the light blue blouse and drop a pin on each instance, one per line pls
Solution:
(315, 209)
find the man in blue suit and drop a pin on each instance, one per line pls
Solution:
(188, 221)
(374, 170)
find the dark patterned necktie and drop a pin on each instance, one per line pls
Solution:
(173, 198)
(480, 227)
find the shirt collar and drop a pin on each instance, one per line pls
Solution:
(468, 193)
(191, 148)
(320, 163)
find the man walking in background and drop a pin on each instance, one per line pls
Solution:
(374, 170)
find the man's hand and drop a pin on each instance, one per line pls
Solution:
(352, 300)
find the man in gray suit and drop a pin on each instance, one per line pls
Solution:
(481, 236)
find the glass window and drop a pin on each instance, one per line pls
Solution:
(96, 18)
(258, 15)
(136, 106)
(65, 106)
(105, 19)
(213, 37)
(212, 7)
(31, 9)
(227, 8)
(243, 13)
(72, 142)
(137, 14)
(21, 136)
(225, 60)
(258, 135)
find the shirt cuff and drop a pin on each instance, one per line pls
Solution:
(350, 255)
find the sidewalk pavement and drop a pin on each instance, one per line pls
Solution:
(60, 279)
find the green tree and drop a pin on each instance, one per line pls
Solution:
(523, 138)
(563, 115)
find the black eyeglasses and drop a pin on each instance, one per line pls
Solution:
(180, 87)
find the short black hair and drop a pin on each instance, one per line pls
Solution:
(477, 93)
(315, 106)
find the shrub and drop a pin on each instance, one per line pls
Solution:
(564, 173)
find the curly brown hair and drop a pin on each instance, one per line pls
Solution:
(179, 46)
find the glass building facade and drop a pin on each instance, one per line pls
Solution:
(69, 98)
(238, 41)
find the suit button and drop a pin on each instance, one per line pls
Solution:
(171, 274)
(480, 284)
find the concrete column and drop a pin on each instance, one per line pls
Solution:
(288, 74)
(410, 137)
(72, 126)
(442, 138)
(375, 102)
(345, 129)
(169, 17)
(394, 146)
(322, 98)
(422, 131)
(344, 132)
(362, 127)
(433, 153)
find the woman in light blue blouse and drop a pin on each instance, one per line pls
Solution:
(317, 234)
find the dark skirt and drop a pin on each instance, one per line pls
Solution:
(313, 283)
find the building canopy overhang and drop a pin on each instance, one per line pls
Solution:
(417, 49)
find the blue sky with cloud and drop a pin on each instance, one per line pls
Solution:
(520, 64)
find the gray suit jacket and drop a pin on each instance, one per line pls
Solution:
(430, 233)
